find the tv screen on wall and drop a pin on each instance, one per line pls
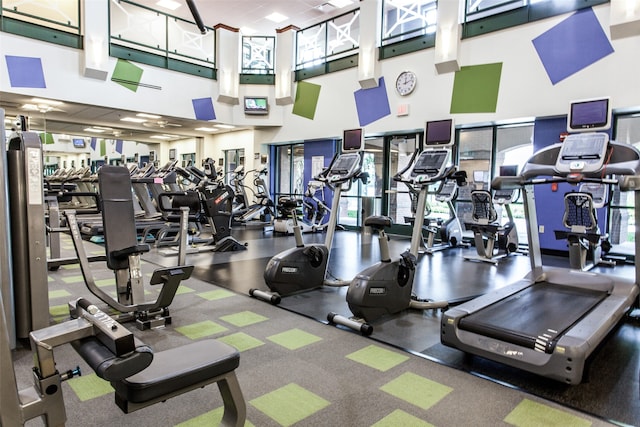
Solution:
(256, 105)
(78, 143)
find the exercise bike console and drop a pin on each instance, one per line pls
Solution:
(429, 165)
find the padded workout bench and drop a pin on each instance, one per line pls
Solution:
(142, 378)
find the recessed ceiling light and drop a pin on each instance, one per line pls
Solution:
(161, 136)
(148, 116)
(102, 127)
(276, 17)
(46, 101)
(94, 130)
(225, 126)
(33, 107)
(206, 129)
(339, 3)
(168, 4)
(133, 120)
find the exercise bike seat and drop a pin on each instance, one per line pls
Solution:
(579, 217)
(288, 203)
(378, 222)
(483, 209)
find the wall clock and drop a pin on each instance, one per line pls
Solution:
(406, 82)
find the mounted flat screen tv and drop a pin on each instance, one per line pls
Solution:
(509, 170)
(589, 115)
(258, 105)
(353, 140)
(79, 143)
(438, 132)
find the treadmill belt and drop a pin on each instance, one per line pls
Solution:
(536, 316)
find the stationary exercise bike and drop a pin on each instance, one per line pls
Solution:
(304, 267)
(586, 242)
(387, 287)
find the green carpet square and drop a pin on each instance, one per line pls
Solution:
(59, 310)
(58, 294)
(73, 279)
(401, 418)
(182, 289)
(416, 390)
(244, 318)
(529, 414)
(211, 418)
(215, 295)
(241, 341)
(106, 282)
(289, 404)
(89, 387)
(70, 267)
(201, 329)
(50, 279)
(97, 252)
(377, 358)
(294, 339)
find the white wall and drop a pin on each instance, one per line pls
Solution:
(525, 90)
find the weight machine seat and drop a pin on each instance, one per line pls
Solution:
(181, 369)
(141, 377)
(118, 218)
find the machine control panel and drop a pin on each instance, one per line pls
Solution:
(429, 166)
(582, 153)
(344, 168)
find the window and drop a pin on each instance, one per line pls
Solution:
(401, 149)
(258, 55)
(402, 19)
(364, 199)
(333, 39)
(482, 151)
(290, 170)
(622, 219)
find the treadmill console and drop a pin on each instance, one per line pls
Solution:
(344, 168)
(583, 152)
(429, 165)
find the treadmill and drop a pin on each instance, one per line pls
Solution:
(551, 321)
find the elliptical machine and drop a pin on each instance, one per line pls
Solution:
(387, 287)
(304, 267)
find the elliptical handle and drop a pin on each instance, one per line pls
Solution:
(398, 176)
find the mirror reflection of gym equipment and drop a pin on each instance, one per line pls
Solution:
(139, 376)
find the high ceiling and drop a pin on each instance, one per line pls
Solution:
(73, 119)
(251, 14)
